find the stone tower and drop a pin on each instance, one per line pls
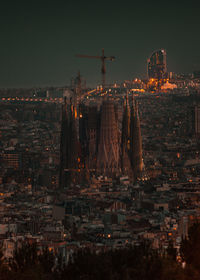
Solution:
(125, 141)
(136, 142)
(108, 157)
(69, 147)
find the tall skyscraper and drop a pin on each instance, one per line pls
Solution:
(157, 65)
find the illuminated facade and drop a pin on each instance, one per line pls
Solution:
(157, 66)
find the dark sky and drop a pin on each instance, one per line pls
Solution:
(39, 39)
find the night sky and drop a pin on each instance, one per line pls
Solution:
(39, 39)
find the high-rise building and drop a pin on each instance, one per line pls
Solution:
(157, 65)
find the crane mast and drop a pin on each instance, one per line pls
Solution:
(103, 66)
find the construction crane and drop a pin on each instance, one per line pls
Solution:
(103, 67)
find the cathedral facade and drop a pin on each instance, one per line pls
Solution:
(95, 141)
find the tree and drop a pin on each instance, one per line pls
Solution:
(171, 251)
(190, 250)
(4, 272)
(28, 263)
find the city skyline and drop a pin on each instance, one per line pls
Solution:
(40, 40)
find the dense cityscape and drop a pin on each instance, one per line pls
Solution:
(101, 169)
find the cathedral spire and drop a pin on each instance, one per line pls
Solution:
(108, 162)
(64, 142)
(125, 139)
(136, 141)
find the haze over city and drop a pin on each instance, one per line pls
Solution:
(99, 140)
(39, 39)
